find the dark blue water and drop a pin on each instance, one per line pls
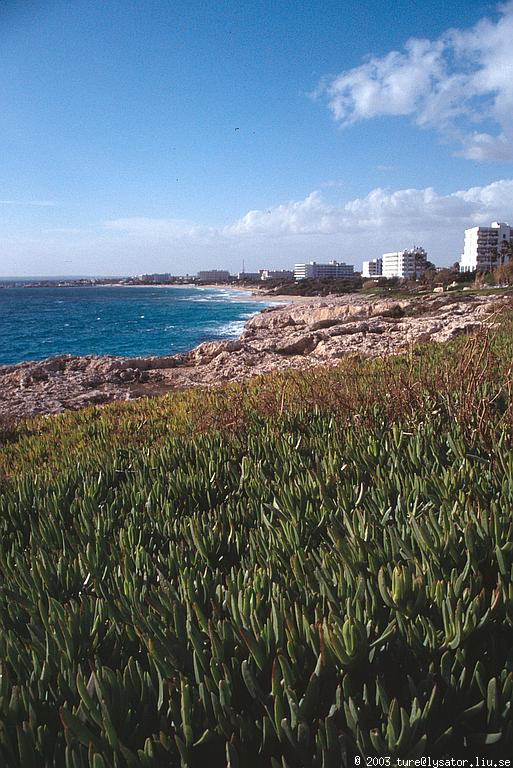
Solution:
(38, 322)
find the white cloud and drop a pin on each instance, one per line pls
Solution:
(311, 215)
(381, 212)
(298, 230)
(483, 146)
(315, 228)
(452, 84)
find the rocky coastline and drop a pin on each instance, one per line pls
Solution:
(304, 334)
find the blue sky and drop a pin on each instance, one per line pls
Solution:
(173, 136)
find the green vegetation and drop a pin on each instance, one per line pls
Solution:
(314, 286)
(288, 573)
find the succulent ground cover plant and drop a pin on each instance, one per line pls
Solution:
(293, 573)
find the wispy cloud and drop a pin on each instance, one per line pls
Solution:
(35, 203)
(460, 85)
(378, 216)
(332, 184)
(66, 231)
(312, 227)
(166, 228)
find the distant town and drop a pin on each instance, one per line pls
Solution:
(486, 251)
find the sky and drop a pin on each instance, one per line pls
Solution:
(165, 136)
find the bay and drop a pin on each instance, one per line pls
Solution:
(39, 322)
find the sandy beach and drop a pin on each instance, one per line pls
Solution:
(254, 294)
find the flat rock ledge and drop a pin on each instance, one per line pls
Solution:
(302, 335)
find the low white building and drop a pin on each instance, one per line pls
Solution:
(407, 265)
(213, 275)
(372, 268)
(276, 274)
(483, 247)
(248, 275)
(334, 270)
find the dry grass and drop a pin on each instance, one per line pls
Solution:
(468, 381)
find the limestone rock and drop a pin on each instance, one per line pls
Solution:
(308, 333)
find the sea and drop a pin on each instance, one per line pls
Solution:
(39, 322)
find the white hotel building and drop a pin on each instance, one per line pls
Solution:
(483, 247)
(276, 274)
(335, 270)
(408, 265)
(372, 268)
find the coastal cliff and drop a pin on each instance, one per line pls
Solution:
(313, 332)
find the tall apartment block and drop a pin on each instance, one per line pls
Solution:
(372, 268)
(409, 264)
(483, 248)
(332, 271)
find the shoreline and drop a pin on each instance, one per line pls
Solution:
(238, 295)
(255, 294)
(318, 332)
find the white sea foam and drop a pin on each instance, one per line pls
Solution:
(210, 300)
(232, 329)
(216, 296)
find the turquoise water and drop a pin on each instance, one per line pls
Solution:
(38, 322)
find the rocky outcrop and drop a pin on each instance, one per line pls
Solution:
(308, 333)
